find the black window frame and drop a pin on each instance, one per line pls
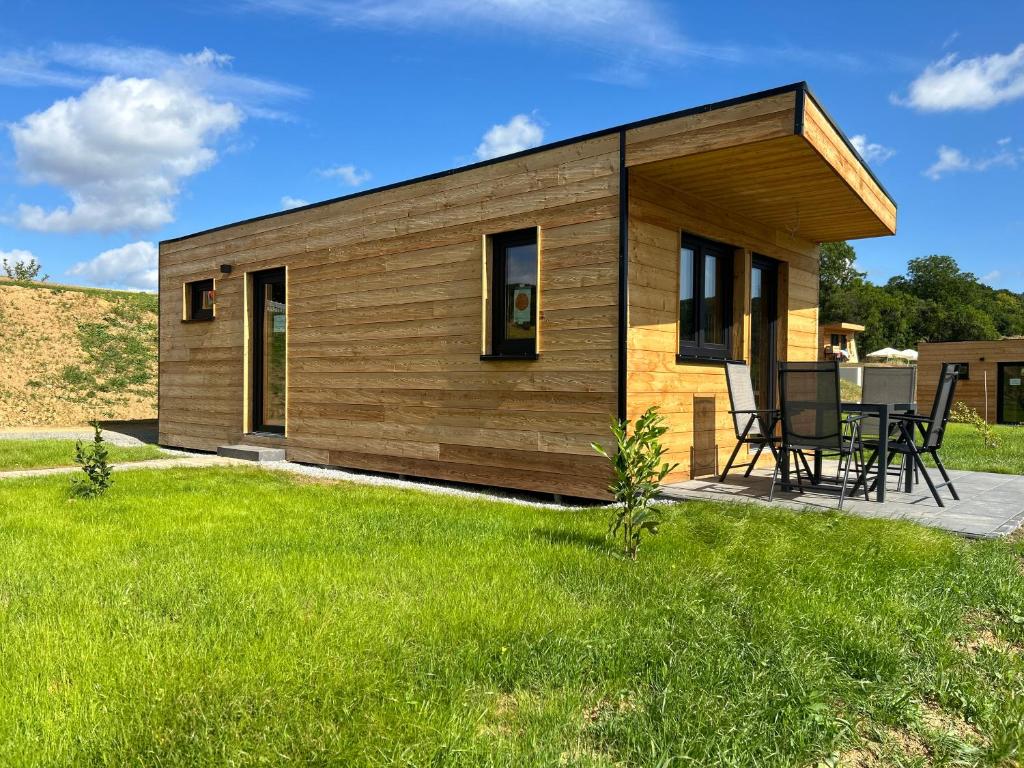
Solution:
(701, 349)
(194, 296)
(502, 348)
(963, 371)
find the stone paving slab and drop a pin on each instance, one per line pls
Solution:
(991, 505)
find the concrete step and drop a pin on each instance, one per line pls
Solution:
(251, 453)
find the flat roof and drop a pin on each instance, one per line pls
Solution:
(800, 87)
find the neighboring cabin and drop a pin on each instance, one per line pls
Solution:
(839, 341)
(484, 324)
(991, 375)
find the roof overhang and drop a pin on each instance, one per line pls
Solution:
(780, 160)
(854, 327)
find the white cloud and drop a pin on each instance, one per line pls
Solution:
(519, 133)
(130, 266)
(611, 24)
(120, 151)
(951, 160)
(992, 278)
(348, 174)
(871, 152)
(292, 202)
(80, 65)
(979, 83)
(16, 255)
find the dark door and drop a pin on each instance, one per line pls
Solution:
(764, 316)
(269, 351)
(1010, 408)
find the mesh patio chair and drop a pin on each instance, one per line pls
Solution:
(753, 426)
(887, 385)
(931, 429)
(812, 420)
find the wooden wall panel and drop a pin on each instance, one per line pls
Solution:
(693, 396)
(984, 358)
(384, 308)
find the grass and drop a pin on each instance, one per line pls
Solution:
(34, 454)
(964, 448)
(147, 302)
(244, 617)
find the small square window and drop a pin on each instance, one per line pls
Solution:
(200, 298)
(963, 371)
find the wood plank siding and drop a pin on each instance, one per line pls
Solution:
(384, 342)
(692, 395)
(386, 292)
(980, 390)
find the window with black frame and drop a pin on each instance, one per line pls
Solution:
(705, 299)
(514, 284)
(199, 300)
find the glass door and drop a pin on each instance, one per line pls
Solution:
(269, 351)
(764, 304)
(1011, 393)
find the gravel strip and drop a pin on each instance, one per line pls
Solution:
(428, 486)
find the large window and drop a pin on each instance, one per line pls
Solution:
(705, 298)
(199, 300)
(513, 311)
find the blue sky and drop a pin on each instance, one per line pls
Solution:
(126, 122)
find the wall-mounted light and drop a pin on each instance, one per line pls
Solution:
(225, 269)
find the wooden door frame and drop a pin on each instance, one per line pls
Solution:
(255, 374)
(1000, 388)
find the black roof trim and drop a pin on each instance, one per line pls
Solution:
(800, 88)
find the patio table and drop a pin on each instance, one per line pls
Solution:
(882, 411)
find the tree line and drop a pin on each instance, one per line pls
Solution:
(933, 301)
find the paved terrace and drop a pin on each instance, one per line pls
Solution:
(991, 505)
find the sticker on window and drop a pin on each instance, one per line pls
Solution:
(1014, 382)
(279, 321)
(522, 300)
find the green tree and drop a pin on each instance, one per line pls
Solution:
(837, 277)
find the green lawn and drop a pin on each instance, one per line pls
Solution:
(244, 617)
(963, 448)
(32, 454)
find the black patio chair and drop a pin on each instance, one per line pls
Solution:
(812, 420)
(931, 429)
(887, 384)
(753, 426)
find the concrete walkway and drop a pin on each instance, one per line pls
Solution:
(122, 433)
(991, 505)
(173, 461)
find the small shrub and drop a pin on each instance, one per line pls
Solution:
(22, 271)
(93, 460)
(962, 413)
(638, 468)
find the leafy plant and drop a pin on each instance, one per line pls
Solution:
(22, 271)
(93, 460)
(962, 413)
(638, 468)
(120, 355)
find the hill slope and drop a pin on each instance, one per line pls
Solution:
(70, 354)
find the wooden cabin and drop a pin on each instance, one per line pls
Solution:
(484, 324)
(991, 379)
(839, 341)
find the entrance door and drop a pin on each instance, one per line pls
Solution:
(764, 306)
(1011, 394)
(269, 351)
